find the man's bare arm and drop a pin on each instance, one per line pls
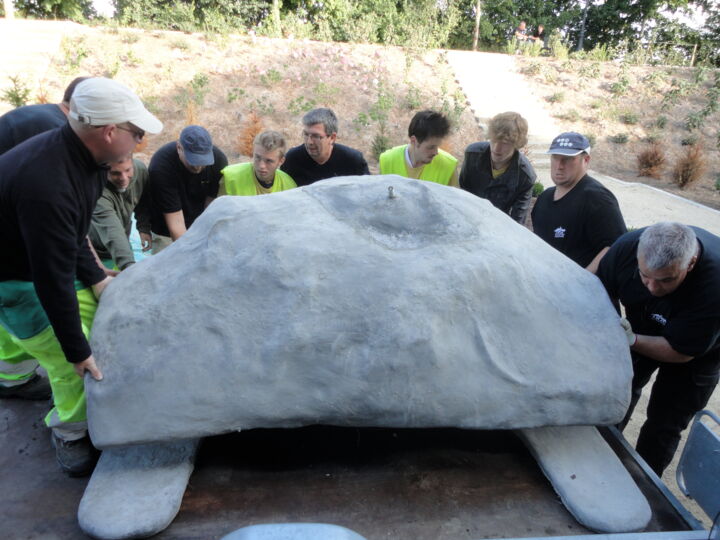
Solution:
(175, 222)
(658, 348)
(593, 266)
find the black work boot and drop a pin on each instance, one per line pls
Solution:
(76, 458)
(36, 388)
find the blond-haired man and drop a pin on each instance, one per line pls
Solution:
(496, 170)
(262, 175)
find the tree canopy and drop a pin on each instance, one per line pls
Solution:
(417, 23)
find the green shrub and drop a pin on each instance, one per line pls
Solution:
(690, 140)
(180, 43)
(235, 93)
(653, 137)
(557, 97)
(557, 48)
(694, 121)
(629, 118)
(532, 68)
(538, 188)
(717, 182)
(571, 115)
(413, 98)
(301, 105)
(18, 94)
(601, 53)
(380, 143)
(620, 138)
(270, 77)
(620, 87)
(661, 121)
(130, 38)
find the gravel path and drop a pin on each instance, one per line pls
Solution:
(493, 85)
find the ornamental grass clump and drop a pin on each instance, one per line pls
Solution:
(690, 166)
(251, 127)
(651, 161)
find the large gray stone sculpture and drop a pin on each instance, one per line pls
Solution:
(369, 301)
(340, 304)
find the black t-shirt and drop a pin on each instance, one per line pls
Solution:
(173, 187)
(580, 224)
(344, 161)
(49, 186)
(22, 123)
(689, 317)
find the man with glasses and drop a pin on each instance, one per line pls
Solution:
(49, 279)
(320, 156)
(125, 192)
(184, 179)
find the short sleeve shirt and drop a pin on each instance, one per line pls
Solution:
(580, 224)
(174, 188)
(344, 161)
(689, 317)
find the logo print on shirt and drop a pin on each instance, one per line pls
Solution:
(658, 318)
(559, 232)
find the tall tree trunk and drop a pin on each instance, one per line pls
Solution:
(9, 10)
(476, 32)
(276, 5)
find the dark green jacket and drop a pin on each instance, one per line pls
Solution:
(111, 220)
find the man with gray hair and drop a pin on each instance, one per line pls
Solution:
(320, 156)
(667, 276)
(49, 279)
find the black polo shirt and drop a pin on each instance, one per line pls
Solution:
(344, 161)
(48, 189)
(174, 188)
(584, 221)
(689, 317)
(22, 123)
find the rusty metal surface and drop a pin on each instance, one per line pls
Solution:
(414, 484)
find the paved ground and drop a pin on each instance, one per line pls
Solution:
(641, 205)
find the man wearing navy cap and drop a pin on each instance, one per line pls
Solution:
(184, 179)
(579, 216)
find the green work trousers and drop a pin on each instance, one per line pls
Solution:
(68, 417)
(16, 366)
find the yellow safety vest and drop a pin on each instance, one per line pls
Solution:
(239, 179)
(439, 170)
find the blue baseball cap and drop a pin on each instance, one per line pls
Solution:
(569, 143)
(197, 146)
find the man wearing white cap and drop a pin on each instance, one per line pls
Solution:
(579, 216)
(49, 279)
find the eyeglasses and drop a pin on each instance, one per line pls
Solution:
(138, 134)
(314, 136)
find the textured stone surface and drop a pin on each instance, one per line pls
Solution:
(337, 304)
(593, 484)
(136, 492)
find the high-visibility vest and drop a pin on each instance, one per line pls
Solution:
(239, 179)
(439, 170)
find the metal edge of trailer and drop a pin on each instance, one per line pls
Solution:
(691, 520)
(696, 529)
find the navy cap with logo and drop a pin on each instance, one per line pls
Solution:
(569, 143)
(197, 146)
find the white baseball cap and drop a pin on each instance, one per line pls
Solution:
(99, 101)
